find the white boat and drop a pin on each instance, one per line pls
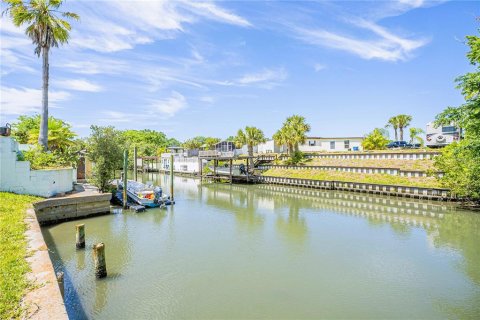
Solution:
(146, 195)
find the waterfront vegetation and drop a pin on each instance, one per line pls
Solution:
(13, 251)
(461, 160)
(374, 178)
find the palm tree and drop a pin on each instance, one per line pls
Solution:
(60, 134)
(298, 129)
(252, 136)
(403, 122)
(46, 30)
(393, 122)
(282, 137)
(292, 133)
(415, 135)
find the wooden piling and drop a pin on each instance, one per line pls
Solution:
(231, 168)
(171, 177)
(125, 168)
(99, 258)
(61, 284)
(135, 163)
(80, 236)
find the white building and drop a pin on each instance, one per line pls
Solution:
(319, 144)
(182, 161)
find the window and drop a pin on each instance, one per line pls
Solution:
(311, 142)
(332, 144)
(346, 144)
(449, 129)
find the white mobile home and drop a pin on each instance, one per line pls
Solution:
(342, 144)
(442, 135)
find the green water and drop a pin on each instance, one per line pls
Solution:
(274, 252)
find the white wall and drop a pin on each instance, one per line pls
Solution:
(16, 176)
(180, 163)
(324, 145)
(268, 147)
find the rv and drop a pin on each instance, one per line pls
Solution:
(442, 135)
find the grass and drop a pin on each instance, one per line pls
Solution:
(426, 182)
(421, 164)
(13, 251)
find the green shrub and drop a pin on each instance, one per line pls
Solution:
(40, 159)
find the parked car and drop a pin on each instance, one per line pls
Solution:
(399, 144)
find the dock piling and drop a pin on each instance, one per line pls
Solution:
(99, 258)
(61, 284)
(80, 236)
(171, 178)
(125, 168)
(135, 163)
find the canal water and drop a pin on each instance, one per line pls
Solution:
(272, 252)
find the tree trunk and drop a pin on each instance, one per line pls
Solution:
(296, 147)
(43, 136)
(401, 134)
(250, 155)
(396, 134)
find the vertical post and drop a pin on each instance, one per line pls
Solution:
(99, 258)
(125, 168)
(61, 284)
(80, 236)
(200, 168)
(171, 177)
(248, 167)
(214, 169)
(231, 168)
(135, 163)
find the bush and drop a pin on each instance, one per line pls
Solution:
(295, 158)
(460, 163)
(40, 159)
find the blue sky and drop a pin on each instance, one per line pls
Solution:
(192, 68)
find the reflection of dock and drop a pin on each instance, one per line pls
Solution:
(387, 209)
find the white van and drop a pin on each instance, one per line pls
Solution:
(442, 135)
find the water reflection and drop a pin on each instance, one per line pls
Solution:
(235, 251)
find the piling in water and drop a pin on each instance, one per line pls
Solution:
(99, 258)
(135, 163)
(125, 178)
(80, 236)
(171, 178)
(61, 284)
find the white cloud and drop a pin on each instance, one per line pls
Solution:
(170, 106)
(79, 85)
(386, 46)
(213, 12)
(110, 26)
(266, 78)
(319, 67)
(27, 100)
(94, 65)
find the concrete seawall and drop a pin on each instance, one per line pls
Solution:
(45, 300)
(55, 210)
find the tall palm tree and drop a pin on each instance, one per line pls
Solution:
(298, 129)
(403, 122)
(46, 30)
(415, 135)
(282, 137)
(393, 123)
(252, 136)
